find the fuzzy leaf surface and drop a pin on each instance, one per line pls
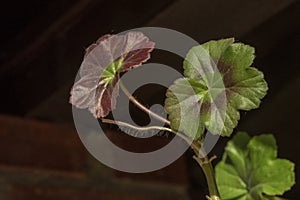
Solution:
(223, 82)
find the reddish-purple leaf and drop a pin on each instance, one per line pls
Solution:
(111, 53)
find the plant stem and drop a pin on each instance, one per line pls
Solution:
(204, 162)
(141, 106)
(208, 170)
(185, 138)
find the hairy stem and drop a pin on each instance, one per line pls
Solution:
(185, 138)
(141, 106)
(204, 162)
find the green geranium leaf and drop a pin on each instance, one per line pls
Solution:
(250, 169)
(219, 81)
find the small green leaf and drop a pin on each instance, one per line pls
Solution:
(250, 169)
(222, 83)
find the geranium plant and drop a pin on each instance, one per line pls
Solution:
(218, 82)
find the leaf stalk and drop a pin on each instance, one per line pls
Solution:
(205, 162)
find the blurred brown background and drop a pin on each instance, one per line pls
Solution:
(42, 46)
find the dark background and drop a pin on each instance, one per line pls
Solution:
(42, 46)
